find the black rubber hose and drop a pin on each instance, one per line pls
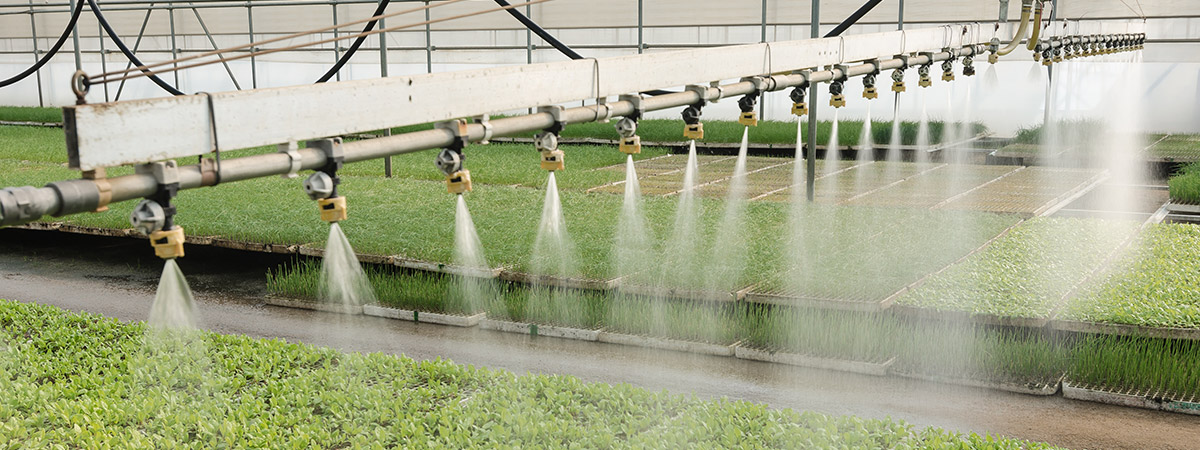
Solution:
(383, 4)
(50, 54)
(128, 54)
(862, 11)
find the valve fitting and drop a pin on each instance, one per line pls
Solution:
(837, 86)
(546, 143)
(155, 215)
(692, 128)
(869, 91)
(450, 159)
(925, 80)
(948, 70)
(898, 81)
(994, 49)
(968, 66)
(799, 106)
(322, 184)
(749, 116)
(631, 143)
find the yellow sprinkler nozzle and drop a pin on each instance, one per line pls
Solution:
(168, 244)
(631, 145)
(458, 182)
(748, 118)
(898, 87)
(870, 93)
(837, 101)
(993, 58)
(800, 108)
(925, 81)
(553, 160)
(693, 131)
(947, 76)
(332, 209)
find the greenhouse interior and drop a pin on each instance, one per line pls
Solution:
(254, 224)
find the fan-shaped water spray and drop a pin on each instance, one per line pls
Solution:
(342, 279)
(471, 284)
(174, 306)
(632, 242)
(729, 249)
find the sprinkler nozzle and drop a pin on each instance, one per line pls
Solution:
(799, 106)
(553, 160)
(836, 99)
(332, 209)
(692, 128)
(747, 103)
(925, 80)
(458, 182)
(148, 217)
(319, 185)
(168, 244)
(631, 143)
(748, 118)
(869, 91)
(948, 70)
(897, 81)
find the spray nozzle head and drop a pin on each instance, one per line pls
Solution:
(449, 161)
(319, 186)
(626, 127)
(148, 216)
(691, 114)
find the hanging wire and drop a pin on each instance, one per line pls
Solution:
(100, 77)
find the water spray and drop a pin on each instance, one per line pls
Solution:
(450, 160)
(155, 215)
(836, 86)
(869, 91)
(631, 143)
(692, 128)
(546, 142)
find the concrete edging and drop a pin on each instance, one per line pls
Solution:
(422, 316)
(795, 359)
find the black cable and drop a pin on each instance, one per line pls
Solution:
(50, 54)
(862, 11)
(128, 54)
(383, 4)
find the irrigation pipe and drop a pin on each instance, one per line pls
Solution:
(50, 54)
(1026, 10)
(27, 204)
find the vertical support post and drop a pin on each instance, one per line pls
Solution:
(900, 27)
(213, 42)
(33, 33)
(75, 39)
(1046, 115)
(528, 38)
(428, 42)
(641, 37)
(762, 99)
(174, 46)
(1003, 11)
(337, 52)
(383, 72)
(136, 45)
(250, 33)
(103, 57)
(810, 163)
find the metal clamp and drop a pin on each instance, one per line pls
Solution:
(636, 101)
(292, 150)
(485, 121)
(720, 90)
(603, 102)
(556, 112)
(702, 91)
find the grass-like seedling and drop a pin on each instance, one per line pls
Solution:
(1148, 366)
(684, 320)
(1025, 273)
(1184, 185)
(62, 372)
(419, 291)
(1154, 285)
(970, 352)
(31, 114)
(820, 332)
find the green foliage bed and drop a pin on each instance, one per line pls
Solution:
(84, 381)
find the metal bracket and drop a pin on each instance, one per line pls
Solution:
(292, 150)
(720, 90)
(702, 91)
(484, 121)
(928, 55)
(875, 66)
(603, 102)
(903, 62)
(760, 83)
(636, 101)
(843, 70)
(458, 128)
(556, 112)
(334, 157)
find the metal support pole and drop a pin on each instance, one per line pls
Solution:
(136, 45)
(33, 33)
(250, 34)
(810, 163)
(383, 72)
(103, 57)
(1046, 115)
(528, 38)
(762, 99)
(1003, 10)
(75, 40)
(899, 27)
(212, 41)
(641, 37)
(174, 46)
(337, 53)
(428, 42)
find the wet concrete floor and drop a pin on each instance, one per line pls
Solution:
(116, 277)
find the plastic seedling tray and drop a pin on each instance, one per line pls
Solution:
(312, 305)
(668, 344)
(816, 362)
(534, 329)
(422, 317)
